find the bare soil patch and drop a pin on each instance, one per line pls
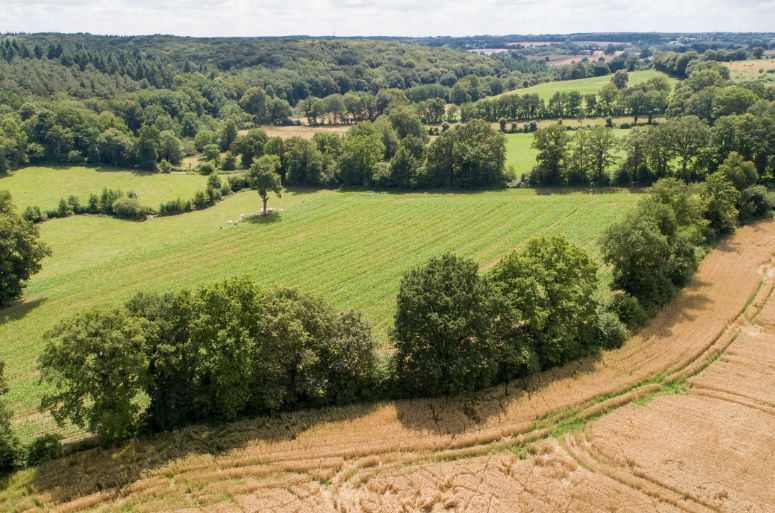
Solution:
(302, 131)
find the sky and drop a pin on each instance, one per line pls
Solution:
(382, 17)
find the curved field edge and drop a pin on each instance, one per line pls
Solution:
(314, 459)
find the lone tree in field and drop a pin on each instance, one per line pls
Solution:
(263, 177)
(21, 250)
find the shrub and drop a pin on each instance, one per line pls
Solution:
(93, 204)
(44, 448)
(201, 200)
(611, 332)
(237, 183)
(174, 207)
(165, 167)
(64, 210)
(33, 214)
(206, 168)
(129, 208)
(627, 309)
(755, 203)
(442, 338)
(229, 162)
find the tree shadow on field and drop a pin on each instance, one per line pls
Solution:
(272, 216)
(687, 306)
(18, 309)
(473, 411)
(109, 470)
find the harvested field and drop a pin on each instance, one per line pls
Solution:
(706, 450)
(302, 131)
(752, 69)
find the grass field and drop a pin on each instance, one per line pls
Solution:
(520, 155)
(752, 69)
(350, 247)
(585, 85)
(45, 186)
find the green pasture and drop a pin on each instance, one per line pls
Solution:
(45, 186)
(350, 247)
(586, 85)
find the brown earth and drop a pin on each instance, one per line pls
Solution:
(301, 131)
(525, 447)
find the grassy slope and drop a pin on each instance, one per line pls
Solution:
(351, 247)
(585, 85)
(45, 186)
(520, 155)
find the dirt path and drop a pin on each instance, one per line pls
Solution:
(523, 448)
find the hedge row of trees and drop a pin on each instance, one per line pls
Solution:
(656, 248)
(390, 152)
(710, 120)
(232, 349)
(117, 203)
(649, 98)
(679, 64)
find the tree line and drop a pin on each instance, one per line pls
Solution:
(648, 99)
(709, 121)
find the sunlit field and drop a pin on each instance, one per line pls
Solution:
(350, 247)
(44, 186)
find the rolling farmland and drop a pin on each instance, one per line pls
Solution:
(350, 247)
(636, 429)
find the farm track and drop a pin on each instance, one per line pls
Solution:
(571, 439)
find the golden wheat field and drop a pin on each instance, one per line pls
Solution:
(679, 419)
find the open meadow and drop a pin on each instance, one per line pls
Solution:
(44, 186)
(752, 69)
(586, 85)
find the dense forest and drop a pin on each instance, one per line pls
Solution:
(149, 101)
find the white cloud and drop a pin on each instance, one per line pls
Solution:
(382, 17)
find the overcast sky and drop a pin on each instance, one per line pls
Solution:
(382, 17)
